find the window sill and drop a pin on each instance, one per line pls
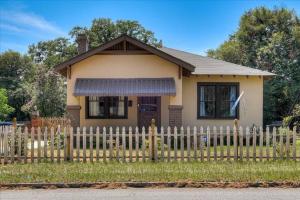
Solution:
(217, 118)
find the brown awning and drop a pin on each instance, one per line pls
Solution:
(125, 87)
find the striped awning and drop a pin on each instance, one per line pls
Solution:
(125, 87)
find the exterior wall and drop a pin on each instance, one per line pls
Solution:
(123, 66)
(251, 104)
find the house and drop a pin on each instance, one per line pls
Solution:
(126, 82)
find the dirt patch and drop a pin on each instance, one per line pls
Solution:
(124, 185)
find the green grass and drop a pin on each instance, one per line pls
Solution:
(176, 171)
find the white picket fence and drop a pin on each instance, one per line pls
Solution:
(128, 144)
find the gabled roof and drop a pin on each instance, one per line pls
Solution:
(196, 64)
(131, 40)
(210, 66)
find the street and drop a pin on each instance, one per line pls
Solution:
(153, 194)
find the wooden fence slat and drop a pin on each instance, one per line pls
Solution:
(274, 143)
(221, 144)
(162, 143)
(84, 143)
(228, 142)
(58, 135)
(294, 143)
(208, 143)
(143, 144)
(281, 144)
(103, 144)
(215, 142)
(195, 137)
(124, 144)
(46, 143)
(261, 140)
(12, 145)
(91, 135)
(32, 145)
(78, 144)
(155, 145)
(25, 144)
(52, 144)
(241, 137)
(287, 147)
(39, 144)
(117, 143)
(110, 143)
(188, 141)
(98, 143)
(169, 143)
(175, 143)
(130, 144)
(235, 147)
(20, 135)
(247, 143)
(65, 143)
(71, 143)
(268, 143)
(254, 143)
(5, 145)
(181, 144)
(150, 143)
(201, 144)
(137, 138)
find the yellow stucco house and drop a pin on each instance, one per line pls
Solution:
(126, 82)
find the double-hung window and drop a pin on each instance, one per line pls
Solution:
(217, 100)
(107, 107)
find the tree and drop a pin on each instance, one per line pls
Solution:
(16, 76)
(268, 40)
(50, 93)
(5, 109)
(52, 52)
(104, 30)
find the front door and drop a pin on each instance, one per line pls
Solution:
(148, 109)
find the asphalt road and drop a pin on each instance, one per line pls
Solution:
(153, 194)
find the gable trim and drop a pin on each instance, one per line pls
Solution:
(129, 39)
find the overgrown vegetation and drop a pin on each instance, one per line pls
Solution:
(96, 172)
(5, 109)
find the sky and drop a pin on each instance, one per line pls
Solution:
(188, 25)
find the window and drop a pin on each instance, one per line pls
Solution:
(216, 100)
(106, 107)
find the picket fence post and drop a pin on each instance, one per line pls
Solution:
(208, 143)
(169, 143)
(162, 143)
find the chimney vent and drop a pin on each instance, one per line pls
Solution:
(82, 43)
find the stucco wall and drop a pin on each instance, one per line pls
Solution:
(124, 66)
(251, 105)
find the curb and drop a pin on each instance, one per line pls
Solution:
(123, 185)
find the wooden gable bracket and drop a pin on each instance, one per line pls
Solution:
(124, 45)
(69, 71)
(179, 72)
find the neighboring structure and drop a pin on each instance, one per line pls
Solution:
(127, 83)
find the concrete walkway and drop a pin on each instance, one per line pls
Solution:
(153, 194)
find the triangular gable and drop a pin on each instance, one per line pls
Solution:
(127, 45)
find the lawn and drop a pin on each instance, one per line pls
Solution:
(174, 171)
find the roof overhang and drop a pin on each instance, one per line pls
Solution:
(62, 66)
(125, 87)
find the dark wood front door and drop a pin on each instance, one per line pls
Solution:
(148, 109)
